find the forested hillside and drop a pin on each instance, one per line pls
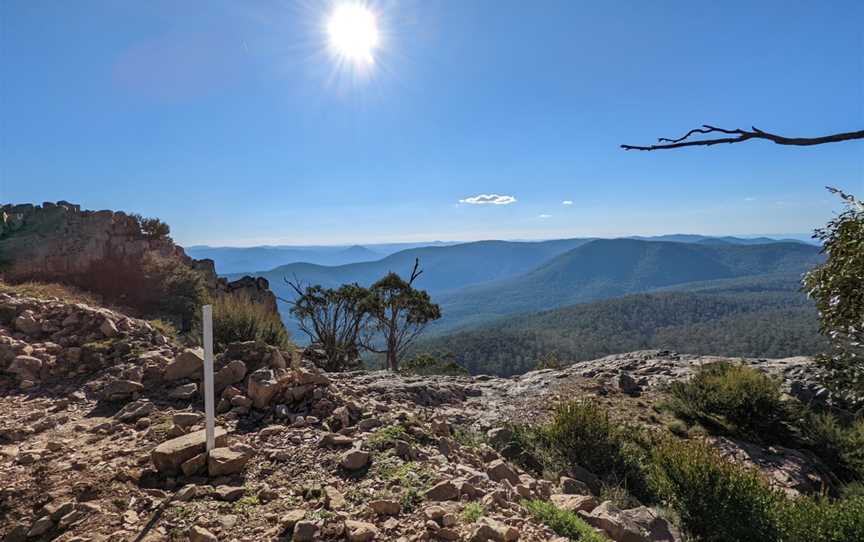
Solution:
(609, 268)
(759, 317)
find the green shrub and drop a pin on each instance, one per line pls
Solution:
(837, 442)
(820, 520)
(563, 522)
(472, 512)
(549, 361)
(169, 289)
(426, 364)
(165, 328)
(738, 398)
(717, 500)
(582, 433)
(237, 318)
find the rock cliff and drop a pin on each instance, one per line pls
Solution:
(97, 251)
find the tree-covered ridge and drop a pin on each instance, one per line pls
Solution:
(765, 321)
(610, 268)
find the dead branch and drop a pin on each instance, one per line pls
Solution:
(738, 136)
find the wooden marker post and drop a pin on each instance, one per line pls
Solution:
(209, 406)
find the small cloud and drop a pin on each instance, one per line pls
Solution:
(567, 202)
(544, 216)
(489, 199)
(749, 198)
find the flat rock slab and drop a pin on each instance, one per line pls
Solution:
(168, 456)
(224, 461)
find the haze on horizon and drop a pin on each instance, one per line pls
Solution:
(474, 120)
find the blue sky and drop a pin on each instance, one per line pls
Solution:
(232, 122)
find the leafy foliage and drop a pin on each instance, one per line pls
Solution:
(171, 289)
(716, 498)
(426, 364)
(152, 228)
(549, 361)
(398, 314)
(332, 318)
(723, 392)
(237, 318)
(837, 286)
(582, 433)
(563, 522)
(472, 512)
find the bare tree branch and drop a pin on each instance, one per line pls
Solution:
(739, 136)
(416, 272)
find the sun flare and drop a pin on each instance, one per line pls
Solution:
(353, 32)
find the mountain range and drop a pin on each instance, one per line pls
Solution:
(479, 282)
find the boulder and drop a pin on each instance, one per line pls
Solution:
(355, 459)
(134, 411)
(614, 523)
(187, 419)
(360, 531)
(490, 530)
(171, 454)
(118, 390)
(27, 324)
(304, 531)
(232, 373)
(574, 503)
(189, 364)
(26, 367)
(194, 465)
(444, 491)
(108, 328)
(200, 534)
(499, 470)
(224, 462)
(385, 507)
(261, 387)
(186, 391)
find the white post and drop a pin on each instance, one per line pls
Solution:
(209, 407)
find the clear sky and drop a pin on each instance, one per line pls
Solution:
(233, 122)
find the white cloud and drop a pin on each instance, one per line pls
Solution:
(487, 199)
(567, 202)
(544, 216)
(749, 198)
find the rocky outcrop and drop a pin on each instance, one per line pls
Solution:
(97, 251)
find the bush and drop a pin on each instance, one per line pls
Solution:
(237, 318)
(740, 399)
(549, 361)
(428, 364)
(563, 522)
(582, 433)
(840, 445)
(472, 512)
(716, 499)
(170, 289)
(152, 228)
(821, 520)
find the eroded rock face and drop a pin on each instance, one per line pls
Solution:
(95, 250)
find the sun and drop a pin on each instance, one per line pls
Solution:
(353, 32)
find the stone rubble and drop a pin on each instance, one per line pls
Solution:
(102, 438)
